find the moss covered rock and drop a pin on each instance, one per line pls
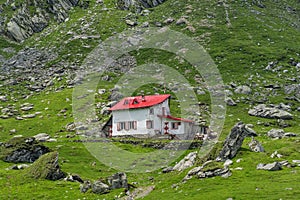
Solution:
(21, 149)
(46, 167)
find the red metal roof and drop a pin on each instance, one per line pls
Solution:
(139, 102)
(175, 118)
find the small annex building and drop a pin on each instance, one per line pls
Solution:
(146, 115)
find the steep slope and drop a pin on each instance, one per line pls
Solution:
(254, 43)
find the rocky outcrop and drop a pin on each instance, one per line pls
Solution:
(264, 111)
(138, 4)
(34, 16)
(209, 169)
(23, 150)
(234, 141)
(186, 162)
(46, 167)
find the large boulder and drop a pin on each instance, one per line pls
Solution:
(118, 180)
(275, 133)
(209, 169)
(264, 111)
(99, 187)
(20, 149)
(186, 162)
(234, 141)
(46, 167)
(275, 166)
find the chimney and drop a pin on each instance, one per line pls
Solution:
(143, 97)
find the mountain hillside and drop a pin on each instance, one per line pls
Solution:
(46, 45)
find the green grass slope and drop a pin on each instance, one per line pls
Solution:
(242, 37)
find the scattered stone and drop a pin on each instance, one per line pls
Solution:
(85, 186)
(243, 89)
(275, 133)
(255, 146)
(169, 20)
(233, 141)
(100, 188)
(186, 162)
(130, 22)
(71, 127)
(26, 108)
(42, 137)
(275, 166)
(264, 111)
(230, 102)
(181, 21)
(29, 116)
(167, 169)
(276, 155)
(228, 162)
(118, 180)
(3, 98)
(290, 134)
(74, 178)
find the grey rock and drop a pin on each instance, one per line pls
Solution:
(100, 188)
(228, 162)
(181, 21)
(292, 89)
(25, 23)
(3, 98)
(276, 133)
(42, 137)
(130, 22)
(255, 146)
(276, 155)
(243, 89)
(275, 166)
(29, 116)
(85, 186)
(186, 162)
(233, 141)
(138, 4)
(230, 102)
(74, 178)
(167, 169)
(118, 180)
(26, 108)
(264, 111)
(290, 134)
(169, 20)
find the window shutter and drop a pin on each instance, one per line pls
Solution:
(134, 125)
(118, 126)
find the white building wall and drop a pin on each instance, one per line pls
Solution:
(140, 116)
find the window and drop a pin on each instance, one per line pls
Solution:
(129, 125)
(132, 125)
(151, 111)
(121, 126)
(163, 111)
(149, 124)
(126, 102)
(175, 125)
